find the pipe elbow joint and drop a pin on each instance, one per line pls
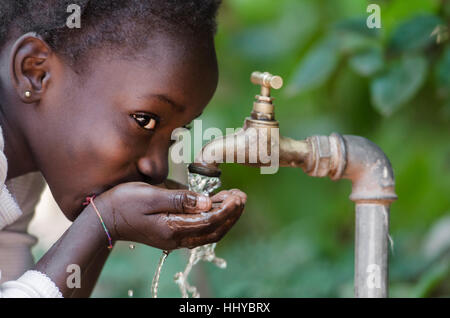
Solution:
(370, 171)
(357, 159)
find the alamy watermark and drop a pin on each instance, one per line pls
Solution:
(373, 276)
(74, 279)
(249, 146)
(374, 19)
(74, 19)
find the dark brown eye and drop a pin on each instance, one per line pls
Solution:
(145, 121)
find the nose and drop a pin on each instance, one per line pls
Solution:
(154, 167)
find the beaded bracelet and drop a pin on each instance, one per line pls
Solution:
(91, 200)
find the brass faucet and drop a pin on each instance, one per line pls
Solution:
(338, 157)
(259, 130)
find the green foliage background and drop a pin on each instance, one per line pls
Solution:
(391, 85)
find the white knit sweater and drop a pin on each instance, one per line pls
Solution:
(15, 243)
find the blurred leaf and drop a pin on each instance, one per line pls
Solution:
(442, 71)
(271, 40)
(351, 43)
(398, 84)
(440, 33)
(367, 62)
(356, 26)
(250, 11)
(394, 12)
(437, 241)
(263, 42)
(414, 34)
(446, 9)
(354, 35)
(431, 280)
(445, 111)
(316, 67)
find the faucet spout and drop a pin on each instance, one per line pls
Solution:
(257, 144)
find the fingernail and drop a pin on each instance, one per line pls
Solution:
(203, 202)
(191, 200)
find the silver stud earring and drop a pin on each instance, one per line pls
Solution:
(27, 94)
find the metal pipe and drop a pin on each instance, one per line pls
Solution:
(373, 192)
(371, 250)
(366, 165)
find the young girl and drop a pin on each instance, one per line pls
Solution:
(92, 109)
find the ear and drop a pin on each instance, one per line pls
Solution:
(30, 67)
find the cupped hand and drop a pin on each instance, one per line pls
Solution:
(168, 219)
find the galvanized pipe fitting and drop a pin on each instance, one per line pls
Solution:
(327, 156)
(366, 165)
(355, 158)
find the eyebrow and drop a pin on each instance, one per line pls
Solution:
(178, 107)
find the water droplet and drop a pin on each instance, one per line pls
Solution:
(130, 293)
(132, 246)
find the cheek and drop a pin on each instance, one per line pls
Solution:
(102, 149)
(95, 131)
(91, 160)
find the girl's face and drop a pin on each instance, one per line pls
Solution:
(113, 124)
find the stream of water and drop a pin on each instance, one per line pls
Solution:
(204, 185)
(155, 281)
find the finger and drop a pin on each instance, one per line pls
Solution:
(184, 201)
(225, 210)
(211, 237)
(241, 194)
(222, 195)
(157, 200)
(195, 224)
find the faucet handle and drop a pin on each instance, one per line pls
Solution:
(262, 107)
(267, 81)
